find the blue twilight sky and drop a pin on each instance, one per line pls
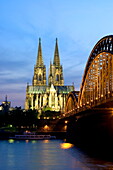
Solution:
(78, 25)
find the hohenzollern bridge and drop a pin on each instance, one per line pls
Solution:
(96, 89)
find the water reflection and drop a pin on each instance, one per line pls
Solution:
(27, 141)
(47, 155)
(66, 145)
(45, 141)
(11, 140)
(89, 162)
(33, 141)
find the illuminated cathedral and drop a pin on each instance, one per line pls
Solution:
(47, 96)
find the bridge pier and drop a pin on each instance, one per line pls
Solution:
(93, 130)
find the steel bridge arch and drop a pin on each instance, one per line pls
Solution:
(72, 103)
(97, 82)
(98, 74)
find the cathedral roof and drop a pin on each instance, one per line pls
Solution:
(46, 89)
(64, 89)
(37, 89)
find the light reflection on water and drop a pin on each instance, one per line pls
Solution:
(46, 155)
(66, 145)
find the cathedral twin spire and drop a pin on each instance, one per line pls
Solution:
(56, 55)
(55, 74)
(40, 58)
(39, 78)
(39, 55)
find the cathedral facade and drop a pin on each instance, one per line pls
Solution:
(47, 96)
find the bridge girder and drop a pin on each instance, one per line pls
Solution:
(97, 83)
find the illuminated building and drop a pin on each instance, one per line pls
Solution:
(5, 106)
(41, 96)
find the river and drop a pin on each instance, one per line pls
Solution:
(46, 155)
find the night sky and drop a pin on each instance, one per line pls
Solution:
(78, 25)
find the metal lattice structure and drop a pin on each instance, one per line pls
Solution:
(97, 83)
(72, 103)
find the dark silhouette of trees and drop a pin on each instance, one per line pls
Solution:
(19, 117)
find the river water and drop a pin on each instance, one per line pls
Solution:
(46, 155)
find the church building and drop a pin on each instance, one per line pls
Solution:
(47, 96)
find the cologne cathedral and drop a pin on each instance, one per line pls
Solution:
(47, 96)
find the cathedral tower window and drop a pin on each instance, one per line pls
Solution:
(40, 77)
(57, 77)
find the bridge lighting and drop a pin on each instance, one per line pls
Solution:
(66, 121)
(94, 81)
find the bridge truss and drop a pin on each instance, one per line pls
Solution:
(97, 83)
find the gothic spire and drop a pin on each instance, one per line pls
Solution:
(50, 69)
(56, 61)
(39, 55)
